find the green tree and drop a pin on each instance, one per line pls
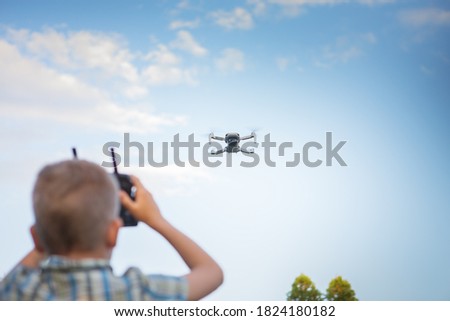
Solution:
(340, 290)
(303, 289)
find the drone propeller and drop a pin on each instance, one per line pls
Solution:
(254, 129)
(214, 130)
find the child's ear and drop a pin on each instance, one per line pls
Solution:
(113, 232)
(37, 242)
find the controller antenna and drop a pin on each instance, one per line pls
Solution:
(113, 155)
(74, 152)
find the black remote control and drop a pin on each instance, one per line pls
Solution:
(127, 186)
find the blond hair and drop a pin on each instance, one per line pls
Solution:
(74, 201)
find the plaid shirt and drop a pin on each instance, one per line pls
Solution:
(62, 279)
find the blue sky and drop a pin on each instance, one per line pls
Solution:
(376, 73)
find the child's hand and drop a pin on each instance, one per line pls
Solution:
(143, 208)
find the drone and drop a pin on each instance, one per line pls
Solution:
(232, 140)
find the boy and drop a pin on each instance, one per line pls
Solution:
(76, 226)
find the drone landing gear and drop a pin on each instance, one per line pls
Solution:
(247, 151)
(233, 150)
(217, 152)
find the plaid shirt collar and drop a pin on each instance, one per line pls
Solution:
(55, 262)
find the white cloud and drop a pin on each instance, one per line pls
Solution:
(375, 2)
(162, 55)
(239, 18)
(135, 91)
(341, 55)
(231, 60)
(165, 69)
(185, 41)
(293, 7)
(29, 89)
(259, 6)
(107, 57)
(425, 17)
(184, 24)
(344, 49)
(327, 2)
(79, 50)
(97, 56)
(183, 4)
(169, 75)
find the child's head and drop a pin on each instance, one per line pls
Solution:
(75, 205)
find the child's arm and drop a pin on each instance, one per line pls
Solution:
(36, 255)
(205, 275)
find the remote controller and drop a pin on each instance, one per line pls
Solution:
(125, 185)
